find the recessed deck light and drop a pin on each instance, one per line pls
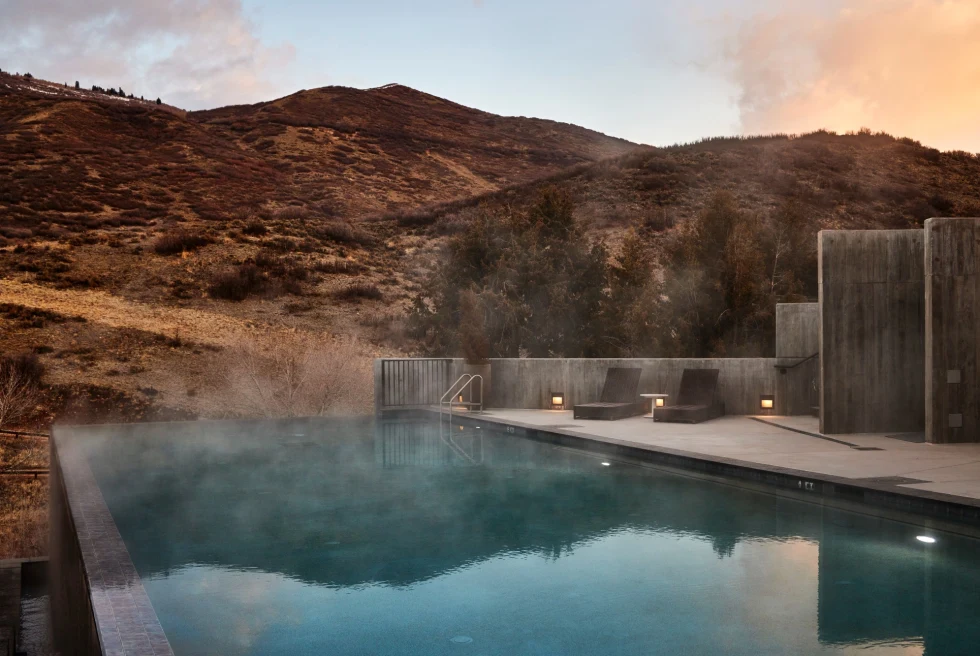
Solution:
(925, 538)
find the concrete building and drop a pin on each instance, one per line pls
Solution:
(899, 330)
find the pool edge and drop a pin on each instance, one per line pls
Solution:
(98, 603)
(962, 514)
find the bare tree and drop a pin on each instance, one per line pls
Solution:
(20, 394)
(302, 376)
(20, 390)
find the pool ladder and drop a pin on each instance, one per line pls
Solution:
(455, 390)
(462, 383)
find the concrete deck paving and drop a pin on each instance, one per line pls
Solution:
(952, 469)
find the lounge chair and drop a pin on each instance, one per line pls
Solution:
(619, 398)
(698, 398)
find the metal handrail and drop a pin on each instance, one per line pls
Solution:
(452, 390)
(785, 368)
(452, 387)
(24, 433)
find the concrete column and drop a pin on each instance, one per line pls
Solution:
(952, 270)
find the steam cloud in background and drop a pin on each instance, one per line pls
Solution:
(193, 53)
(908, 67)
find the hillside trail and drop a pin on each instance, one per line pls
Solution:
(116, 312)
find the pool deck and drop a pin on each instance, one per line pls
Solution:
(951, 470)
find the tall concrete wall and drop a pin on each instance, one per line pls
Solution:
(872, 331)
(528, 383)
(952, 295)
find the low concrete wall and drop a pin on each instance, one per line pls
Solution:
(529, 382)
(72, 615)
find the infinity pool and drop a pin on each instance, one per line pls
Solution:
(340, 537)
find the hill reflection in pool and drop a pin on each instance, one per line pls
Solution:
(350, 537)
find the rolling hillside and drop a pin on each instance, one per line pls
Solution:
(140, 246)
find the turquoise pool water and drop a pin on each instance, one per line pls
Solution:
(340, 537)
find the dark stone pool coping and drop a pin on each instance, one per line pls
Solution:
(948, 512)
(125, 621)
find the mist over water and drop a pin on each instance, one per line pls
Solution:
(355, 537)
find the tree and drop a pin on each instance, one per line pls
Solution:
(77, 85)
(541, 285)
(473, 338)
(158, 102)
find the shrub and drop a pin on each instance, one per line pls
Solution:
(343, 233)
(237, 284)
(942, 203)
(20, 382)
(358, 290)
(301, 376)
(255, 228)
(179, 242)
(338, 266)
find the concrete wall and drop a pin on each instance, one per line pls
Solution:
(872, 331)
(528, 383)
(72, 616)
(797, 330)
(952, 294)
(797, 338)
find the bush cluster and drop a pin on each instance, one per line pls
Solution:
(174, 243)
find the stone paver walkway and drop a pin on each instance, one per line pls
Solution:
(952, 469)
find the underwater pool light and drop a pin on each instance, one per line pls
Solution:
(925, 538)
(605, 464)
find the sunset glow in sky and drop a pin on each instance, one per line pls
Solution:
(656, 72)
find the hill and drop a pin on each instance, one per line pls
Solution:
(352, 152)
(142, 248)
(851, 181)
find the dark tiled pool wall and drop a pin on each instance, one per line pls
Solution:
(71, 608)
(99, 605)
(871, 495)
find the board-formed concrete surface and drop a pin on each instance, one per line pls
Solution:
(872, 330)
(952, 469)
(952, 338)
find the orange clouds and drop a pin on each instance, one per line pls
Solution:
(909, 67)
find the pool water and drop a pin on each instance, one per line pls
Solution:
(355, 537)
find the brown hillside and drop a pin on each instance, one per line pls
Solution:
(176, 238)
(847, 181)
(351, 152)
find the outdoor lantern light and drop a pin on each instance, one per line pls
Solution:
(460, 398)
(766, 402)
(557, 400)
(659, 402)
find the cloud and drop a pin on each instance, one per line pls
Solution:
(909, 67)
(193, 53)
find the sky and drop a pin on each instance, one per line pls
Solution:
(652, 71)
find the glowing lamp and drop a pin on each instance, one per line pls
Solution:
(659, 402)
(767, 402)
(557, 400)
